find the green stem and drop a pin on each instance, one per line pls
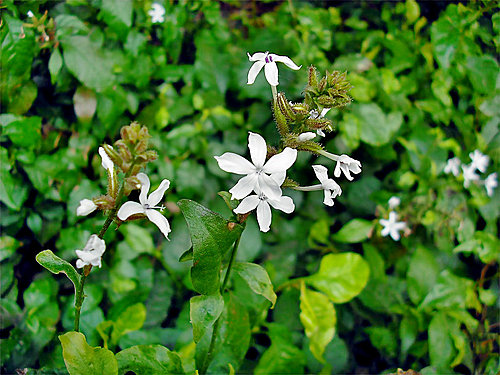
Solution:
(275, 92)
(215, 331)
(79, 300)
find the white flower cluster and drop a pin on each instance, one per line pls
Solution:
(157, 13)
(392, 226)
(479, 162)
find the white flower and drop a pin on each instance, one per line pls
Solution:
(263, 203)
(85, 207)
(307, 136)
(469, 174)
(314, 114)
(91, 253)
(331, 188)
(392, 226)
(491, 183)
(258, 174)
(271, 69)
(30, 14)
(156, 13)
(452, 166)
(147, 205)
(394, 202)
(346, 165)
(106, 162)
(479, 160)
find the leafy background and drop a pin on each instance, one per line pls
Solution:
(426, 87)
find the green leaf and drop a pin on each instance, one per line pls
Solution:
(129, 320)
(8, 246)
(383, 339)
(139, 239)
(57, 265)
(412, 11)
(22, 131)
(445, 37)
(450, 291)
(422, 274)
(231, 203)
(212, 236)
(483, 72)
(82, 359)
(257, 279)
(356, 230)
(204, 311)
(186, 256)
(118, 15)
(377, 128)
(319, 319)
(441, 348)
(55, 64)
(341, 276)
(149, 359)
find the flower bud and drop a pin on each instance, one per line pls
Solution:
(280, 119)
(285, 107)
(85, 207)
(112, 153)
(312, 77)
(306, 136)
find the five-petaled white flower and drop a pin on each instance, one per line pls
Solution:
(470, 174)
(394, 202)
(91, 253)
(331, 188)
(453, 166)
(85, 207)
(346, 165)
(271, 69)
(258, 175)
(490, 183)
(156, 13)
(147, 204)
(479, 160)
(392, 226)
(263, 203)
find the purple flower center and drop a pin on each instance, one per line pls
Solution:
(269, 59)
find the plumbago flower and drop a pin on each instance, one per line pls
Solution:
(331, 188)
(470, 174)
(85, 207)
(346, 164)
(394, 202)
(392, 226)
(453, 166)
(157, 13)
(314, 114)
(268, 61)
(147, 205)
(91, 253)
(258, 172)
(479, 161)
(490, 183)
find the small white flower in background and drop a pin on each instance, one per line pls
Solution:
(258, 174)
(470, 174)
(392, 226)
(263, 203)
(346, 165)
(91, 253)
(479, 160)
(331, 188)
(453, 166)
(85, 207)
(307, 136)
(394, 202)
(106, 162)
(30, 14)
(156, 13)
(147, 204)
(490, 183)
(314, 114)
(271, 69)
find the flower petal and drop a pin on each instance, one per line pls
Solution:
(95, 243)
(394, 234)
(264, 216)
(328, 200)
(321, 172)
(281, 162)
(145, 184)
(85, 207)
(80, 263)
(160, 221)
(258, 149)
(234, 163)
(244, 186)
(271, 71)
(254, 71)
(284, 204)
(257, 56)
(248, 204)
(156, 196)
(285, 60)
(279, 177)
(128, 209)
(106, 161)
(268, 186)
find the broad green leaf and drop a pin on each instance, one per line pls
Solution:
(384, 339)
(117, 14)
(356, 230)
(57, 265)
(129, 320)
(82, 359)
(8, 246)
(422, 274)
(319, 319)
(485, 245)
(483, 72)
(445, 37)
(186, 256)
(22, 131)
(408, 331)
(204, 311)
(55, 64)
(257, 279)
(341, 276)
(377, 128)
(139, 239)
(451, 291)
(441, 348)
(212, 236)
(149, 359)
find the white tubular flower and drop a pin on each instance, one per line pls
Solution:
(479, 160)
(331, 188)
(91, 253)
(314, 114)
(491, 183)
(147, 204)
(392, 226)
(106, 162)
(394, 202)
(307, 136)
(271, 69)
(258, 175)
(30, 14)
(453, 166)
(346, 165)
(157, 13)
(85, 207)
(470, 174)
